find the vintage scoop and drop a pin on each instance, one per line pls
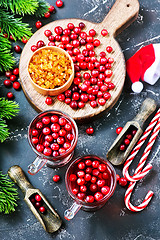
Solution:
(114, 155)
(121, 15)
(50, 221)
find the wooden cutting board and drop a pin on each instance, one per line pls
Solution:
(121, 15)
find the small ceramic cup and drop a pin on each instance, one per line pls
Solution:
(57, 90)
(80, 187)
(44, 143)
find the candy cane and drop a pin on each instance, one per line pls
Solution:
(146, 153)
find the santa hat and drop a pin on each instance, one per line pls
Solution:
(144, 65)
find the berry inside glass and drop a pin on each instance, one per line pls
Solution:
(90, 181)
(53, 136)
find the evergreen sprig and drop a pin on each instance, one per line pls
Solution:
(4, 131)
(42, 8)
(6, 57)
(8, 195)
(8, 109)
(13, 26)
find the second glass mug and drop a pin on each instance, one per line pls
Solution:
(51, 161)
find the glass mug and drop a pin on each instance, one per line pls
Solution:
(44, 125)
(104, 172)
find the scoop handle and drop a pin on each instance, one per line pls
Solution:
(121, 15)
(147, 108)
(17, 175)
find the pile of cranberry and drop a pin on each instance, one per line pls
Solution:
(37, 201)
(12, 81)
(94, 84)
(52, 135)
(90, 180)
(129, 136)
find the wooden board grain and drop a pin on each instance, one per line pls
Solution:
(121, 15)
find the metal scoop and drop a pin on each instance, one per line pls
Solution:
(50, 221)
(114, 155)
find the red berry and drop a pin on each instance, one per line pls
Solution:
(102, 54)
(55, 146)
(95, 172)
(105, 175)
(104, 32)
(17, 49)
(134, 132)
(105, 190)
(96, 42)
(89, 130)
(75, 191)
(55, 127)
(70, 26)
(56, 178)
(48, 33)
(49, 138)
(117, 177)
(16, 85)
(13, 78)
(46, 120)
(88, 170)
(83, 188)
(47, 151)
(8, 74)
(42, 209)
(93, 104)
(101, 182)
(80, 174)
(60, 140)
(38, 204)
(67, 145)
(7, 83)
(81, 25)
(93, 179)
(95, 164)
(65, 39)
(16, 71)
(92, 32)
(72, 177)
(34, 48)
(49, 100)
(102, 167)
(122, 147)
(55, 154)
(34, 132)
(81, 165)
(129, 136)
(45, 144)
(81, 104)
(73, 104)
(11, 38)
(59, 3)
(126, 141)
(51, 9)
(101, 101)
(40, 44)
(24, 40)
(93, 187)
(80, 181)
(39, 125)
(10, 95)
(118, 130)
(70, 137)
(88, 162)
(108, 74)
(109, 49)
(38, 24)
(38, 198)
(54, 119)
(46, 130)
(58, 30)
(47, 15)
(110, 60)
(81, 195)
(111, 86)
(98, 196)
(62, 132)
(106, 95)
(123, 181)
(62, 121)
(90, 199)
(87, 177)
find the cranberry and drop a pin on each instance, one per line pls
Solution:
(58, 30)
(76, 51)
(88, 162)
(106, 95)
(57, 38)
(48, 33)
(42, 209)
(38, 198)
(51, 9)
(98, 196)
(92, 32)
(80, 57)
(56, 178)
(83, 188)
(47, 151)
(49, 100)
(75, 190)
(62, 132)
(95, 164)
(34, 48)
(5, 35)
(101, 182)
(17, 49)
(40, 44)
(109, 49)
(89, 46)
(93, 104)
(24, 40)
(111, 86)
(88, 170)
(70, 26)
(39, 125)
(55, 154)
(103, 60)
(7, 83)
(34, 132)
(8, 74)
(108, 74)
(126, 141)
(89, 90)
(104, 32)
(81, 104)
(59, 3)
(84, 97)
(67, 31)
(47, 15)
(77, 80)
(60, 140)
(102, 167)
(105, 175)
(81, 25)
(16, 85)
(93, 179)
(81, 165)
(90, 199)
(97, 64)
(80, 174)
(55, 127)
(80, 181)
(54, 146)
(46, 131)
(83, 87)
(46, 120)
(123, 181)
(118, 130)
(55, 135)
(87, 177)
(95, 172)
(101, 77)
(81, 195)
(129, 136)
(67, 145)
(38, 24)
(89, 39)
(122, 147)
(62, 121)
(73, 36)
(134, 132)
(35, 140)
(105, 190)
(95, 73)
(77, 30)
(65, 39)
(102, 68)
(51, 44)
(108, 66)
(38, 204)
(10, 95)
(96, 42)
(49, 138)
(13, 78)
(110, 60)
(46, 144)
(70, 137)
(93, 187)
(73, 104)
(68, 127)
(16, 71)
(11, 38)
(101, 101)
(61, 97)
(72, 177)
(102, 54)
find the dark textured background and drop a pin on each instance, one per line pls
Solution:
(113, 221)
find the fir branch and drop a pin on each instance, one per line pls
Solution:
(6, 57)
(20, 7)
(4, 131)
(42, 9)
(8, 195)
(14, 26)
(8, 109)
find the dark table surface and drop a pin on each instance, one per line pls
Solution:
(114, 220)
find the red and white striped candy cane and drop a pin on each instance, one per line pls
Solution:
(146, 153)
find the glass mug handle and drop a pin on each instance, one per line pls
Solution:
(34, 167)
(71, 212)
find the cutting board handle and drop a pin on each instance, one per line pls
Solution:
(121, 15)
(147, 108)
(17, 175)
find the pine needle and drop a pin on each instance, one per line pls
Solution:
(42, 8)
(7, 60)
(4, 131)
(14, 26)
(8, 109)
(8, 195)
